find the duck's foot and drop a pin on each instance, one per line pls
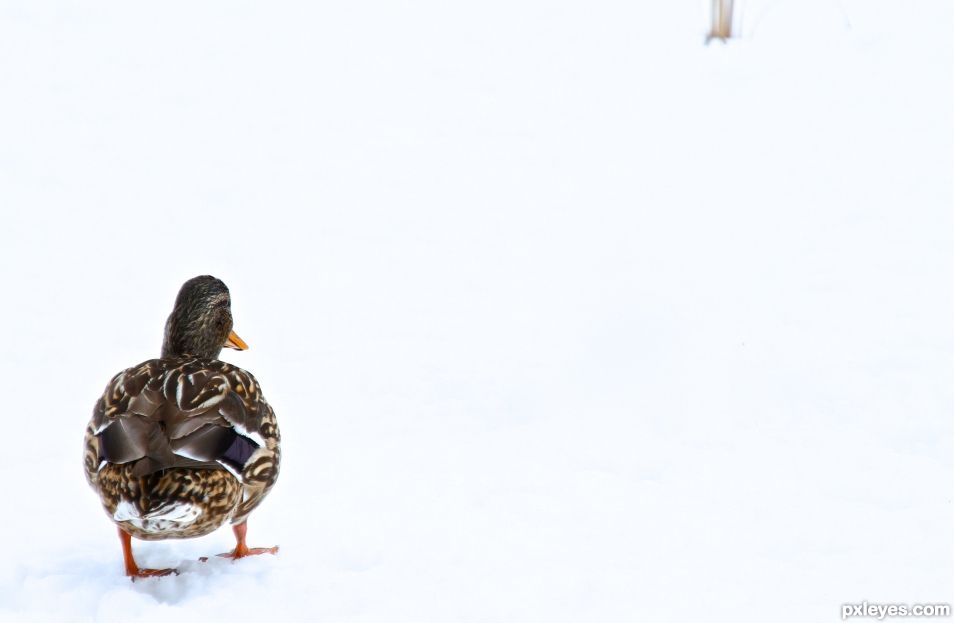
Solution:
(248, 551)
(150, 573)
(132, 569)
(241, 549)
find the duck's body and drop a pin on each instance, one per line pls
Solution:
(170, 446)
(179, 445)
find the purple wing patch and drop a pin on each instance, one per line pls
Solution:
(236, 455)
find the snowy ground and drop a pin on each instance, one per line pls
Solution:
(565, 315)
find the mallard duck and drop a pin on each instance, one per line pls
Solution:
(179, 445)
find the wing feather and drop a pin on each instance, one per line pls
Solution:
(192, 412)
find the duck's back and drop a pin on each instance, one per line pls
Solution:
(182, 415)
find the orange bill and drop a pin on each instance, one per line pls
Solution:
(234, 341)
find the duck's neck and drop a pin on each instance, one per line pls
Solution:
(188, 338)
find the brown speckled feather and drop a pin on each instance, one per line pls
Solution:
(181, 435)
(174, 503)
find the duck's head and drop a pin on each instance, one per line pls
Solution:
(201, 321)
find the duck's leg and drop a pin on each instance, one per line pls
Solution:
(241, 549)
(132, 569)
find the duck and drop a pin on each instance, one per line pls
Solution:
(178, 446)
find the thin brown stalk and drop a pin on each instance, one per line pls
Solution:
(721, 20)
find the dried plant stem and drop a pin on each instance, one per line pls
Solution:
(721, 20)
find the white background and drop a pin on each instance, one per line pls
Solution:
(565, 315)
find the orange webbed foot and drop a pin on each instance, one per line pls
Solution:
(237, 553)
(133, 570)
(241, 549)
(149, 573)
(248, 551)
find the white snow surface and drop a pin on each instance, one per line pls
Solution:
(565, 315)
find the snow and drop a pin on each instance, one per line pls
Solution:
(565, 315)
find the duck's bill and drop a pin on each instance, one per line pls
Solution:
(234, 341)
